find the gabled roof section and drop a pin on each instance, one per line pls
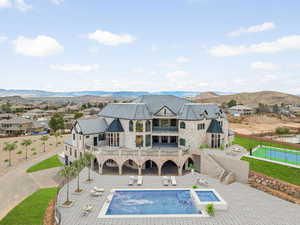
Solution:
(115, 126)
(156, 102)
(92, 126)
(131, 111)
(168, 111)
(214, 127)
(197, 111)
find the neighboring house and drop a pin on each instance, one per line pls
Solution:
(19, 126)
(153, 127)
(295, 110)
(34, 114)
(241, 110)
(6, 116)
(91, 111)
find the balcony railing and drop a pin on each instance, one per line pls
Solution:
(165, 129)
(155, 152)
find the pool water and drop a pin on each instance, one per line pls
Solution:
(278, 155)
(207, 196)
(152, 202)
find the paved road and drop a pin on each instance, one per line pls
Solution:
(16, 185)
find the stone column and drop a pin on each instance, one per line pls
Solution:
(140, 170)
(179, 171)
(159, 170)
(120, 170)
(101, 169)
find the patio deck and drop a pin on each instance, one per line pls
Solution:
(247, 206)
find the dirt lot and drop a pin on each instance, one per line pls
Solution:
(34, 150)
(258, 124)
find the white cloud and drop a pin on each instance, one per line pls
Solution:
(264, 66)
(22, 5)
(168, 65)
(282, 44)
(57, 2)
(3, 38)
(108, 38)
(253, 29)
(5, 4)
(177, 74)
(75, 68)
(154, 48)
(39, 46)
(183, 59)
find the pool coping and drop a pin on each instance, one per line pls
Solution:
(273, 161)
(106, 204)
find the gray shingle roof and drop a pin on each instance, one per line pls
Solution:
(214, 127)
(156, 102)
(92, 126)
(146, 106)
(126, 111)
(196, 111)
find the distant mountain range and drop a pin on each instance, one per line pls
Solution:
(117, 94)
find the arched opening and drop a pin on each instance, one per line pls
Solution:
(110, 166)
(96, 165)
(130, 167)
(187, 166)
(169, 168)
(150, 168)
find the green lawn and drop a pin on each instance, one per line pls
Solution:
(30, 211)
(249, 142)
(281, 172)
(45, 164)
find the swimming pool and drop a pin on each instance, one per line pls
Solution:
(277, 154)
(207, 196)
(158, 203)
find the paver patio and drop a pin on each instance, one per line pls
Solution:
(247, 206)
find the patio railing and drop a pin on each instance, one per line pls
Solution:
(156, 152)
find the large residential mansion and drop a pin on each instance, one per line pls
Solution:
(153, 134)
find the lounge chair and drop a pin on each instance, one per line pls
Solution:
(131, 181)
(96, 193)
(165, 181)
(173, 181)
(202, 181)
(139, 180)
(98, 189)
(87, 209)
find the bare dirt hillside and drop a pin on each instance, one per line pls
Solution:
(265, 97)
(207, 95)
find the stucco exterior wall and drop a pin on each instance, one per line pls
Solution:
(240, 168)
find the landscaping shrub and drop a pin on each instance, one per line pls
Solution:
(210, 209)
(282, 130)
(19, 153)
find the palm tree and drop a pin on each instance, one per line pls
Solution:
(88, 158)
(78, 165)
(67, 172)
(26, 143)
(9, 147)
(44, 139)
(56, 135)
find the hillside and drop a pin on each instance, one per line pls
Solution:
(207, 95)
(265, 97)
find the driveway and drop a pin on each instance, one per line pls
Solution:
(16, 185)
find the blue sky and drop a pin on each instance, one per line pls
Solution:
(139, 45)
